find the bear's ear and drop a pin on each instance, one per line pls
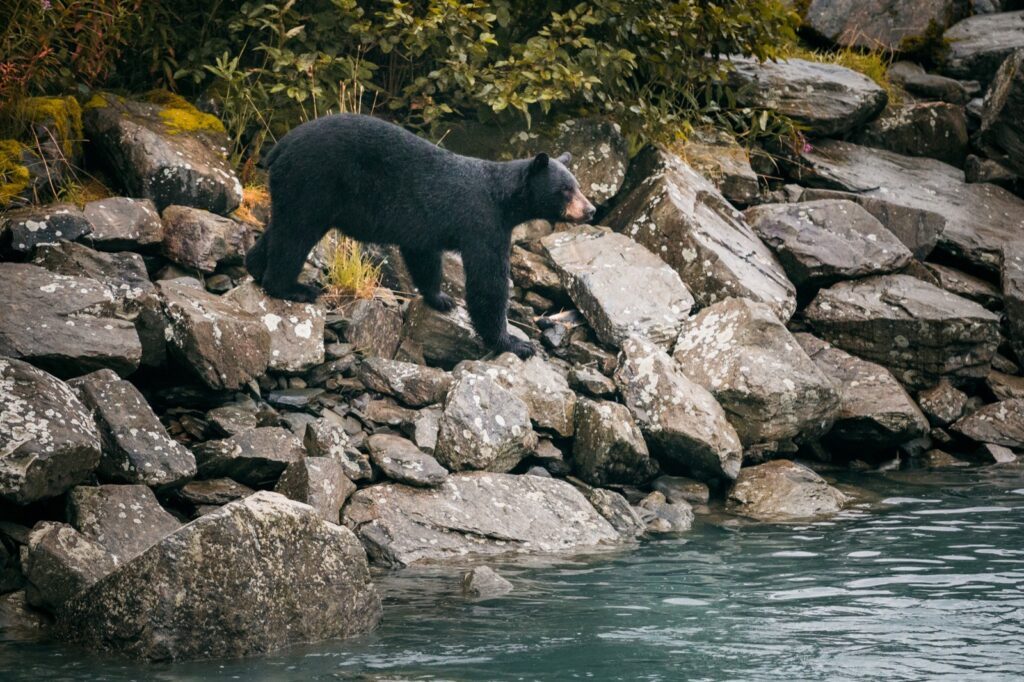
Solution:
(540, 162)
(565, 159)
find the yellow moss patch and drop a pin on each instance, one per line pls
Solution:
(350, 274)
(181, 117)
(97, 101)
(14, 175)
(253, 197)
(62, 113)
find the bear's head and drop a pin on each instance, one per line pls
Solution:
(554, 193)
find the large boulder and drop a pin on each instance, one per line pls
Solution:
(1000, 423)
(200, 240)
(917, 330)
(296, 329)
(1002, 125)
(48, 441)
(821, 242)
(123, 224)
(125, 520)
(770, 390)
(172, 153)
(60, 563)
(619, 286)
(537, 383)
(136, 447)
(676, 213)
(256, 457)
(474, 513)
(680, 418)
(609, 447)
(781, 490)
(933, 129)
(1013, 294)
(23, 229)
(826, 98)
(978, 45)
(484, 426)
(875, 411)
(252, 577)
(887, 25)
(979, 218)
(408, 382)
(64, 324)
(222, 343)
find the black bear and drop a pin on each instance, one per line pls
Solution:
(379, 183)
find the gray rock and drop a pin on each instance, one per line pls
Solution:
(126, 520)
(483, 583)
(296, 329)
(680, 488)
(967, 285)
(821, 242)
(224, 345)
(425, 429)
(446, 338)
(978, 45)
(26, 228)
(123, 224)
(615, 509)
(677, 214)
(484, 426)
(826, 98)
(136, 447)
(619, 286)
(724, 162)
(319, 482)
(1000, 423)
(665, 516)
(770, 390)
(609, 447)
(884, 25)
(937, 459)
(997, 454)
(249, 578)
(66, 325)
(979, 218)
(942, 404)
(295, 399)
(373, 327)
(403, 462)
(875, 412)
(914, 79)
(782, 490)
(683, 421)
(589, 381)
(200, 240)
(918, 331)
(474, 514)
(48, 441)
(1013, 294)
(532, 271)
(228, 420)
(255, 458)
(546, 392)
(1005, 386)
(411, 384)
(328, 438)
(159, 161)
(933, 129)
(60, 563)
(20, 622)
(214, 492)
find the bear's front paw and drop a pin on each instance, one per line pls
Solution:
(523, 349)
(441, 302)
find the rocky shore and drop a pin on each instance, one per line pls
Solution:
(191, 469)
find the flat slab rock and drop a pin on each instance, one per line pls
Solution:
(978, 45)
(681, 217)
(254, 576)
(820, 242)
(889, 25)
(136, 447)
(826, 98)
(126, 520)
(1000, 423)
(296, 329)
(158, 162)
(255, 457)
(223, 344)
(918, 331)
(770, 390)
(48, 440)
(123, 224)
(782, 490)
(933, 129)
(403, 462)
(26, 228)
(64, 324)
(979, 218)
(408, 382)
(620, 287)
(475, 514)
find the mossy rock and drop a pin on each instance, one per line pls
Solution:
(62, 116)
(14, 174)
(179, 116)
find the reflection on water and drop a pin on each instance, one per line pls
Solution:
(924, 582)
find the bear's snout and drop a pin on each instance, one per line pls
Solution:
(579, 209)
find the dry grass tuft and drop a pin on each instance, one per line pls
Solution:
(350, 273)
(255, 202)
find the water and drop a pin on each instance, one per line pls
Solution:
(924, 581)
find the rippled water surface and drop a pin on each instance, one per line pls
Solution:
(923, 581)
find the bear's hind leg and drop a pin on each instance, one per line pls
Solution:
(487, 271)
(286, 254)
(256, 259)
(424, 267)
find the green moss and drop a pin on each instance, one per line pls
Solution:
(63, 113)
(97, 101)
(14, 175)
(181, 117)
(929, 46)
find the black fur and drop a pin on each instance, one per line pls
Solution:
(378, 183)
